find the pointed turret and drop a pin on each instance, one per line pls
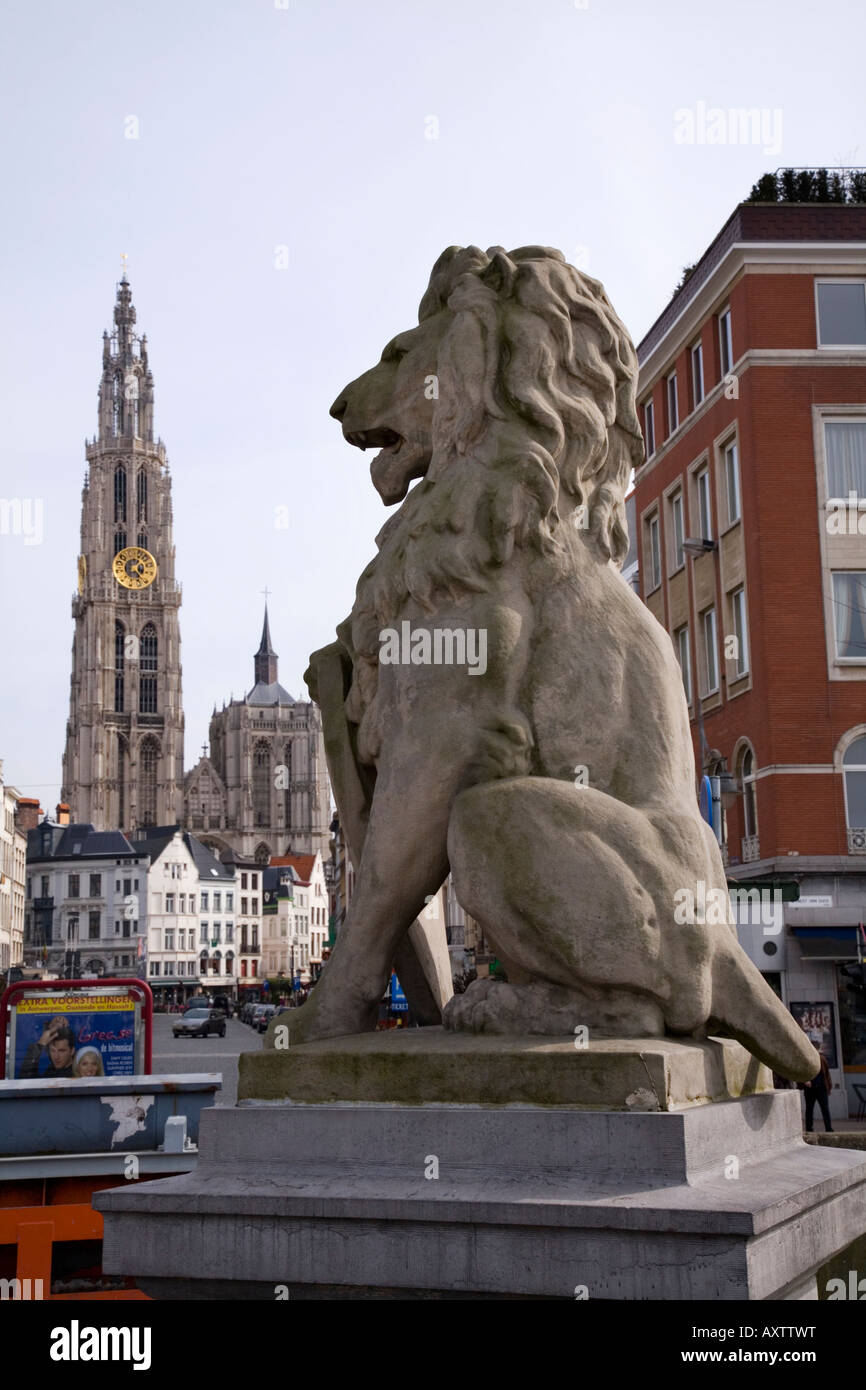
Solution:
(265, 658)
(126, 388)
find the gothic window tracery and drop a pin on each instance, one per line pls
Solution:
(148, 665)
(148, 761)
(120, 493)
(261, 783)
(119, 662)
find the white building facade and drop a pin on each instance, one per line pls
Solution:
(13, 852)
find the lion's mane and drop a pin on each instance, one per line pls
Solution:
(536, 382)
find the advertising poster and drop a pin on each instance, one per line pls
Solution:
(74, 1035)
(818, 1023)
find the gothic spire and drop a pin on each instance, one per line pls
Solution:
(265, 658)
(126, 387)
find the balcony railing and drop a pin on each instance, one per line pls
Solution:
(857, 839)
(751, 848)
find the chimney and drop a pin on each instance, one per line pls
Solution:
(63, 813)
(27, 813)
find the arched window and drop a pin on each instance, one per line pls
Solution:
(141, 540)
(746, 777)
(141, 494)
(716, 768)
(261, 784)
(121, 781)
(202, 964)
(148, 760)
(116, 398)
(287, 794)
(854, 764)
(216, 962)
(230, 962)
(119, 639)
(120, 493)
(148, 651)
(262, 854)
(119, 541)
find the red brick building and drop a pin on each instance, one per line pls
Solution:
(752, 394)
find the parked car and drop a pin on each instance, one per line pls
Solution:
(264, 1017)
(198, 1023)
(255, 1010)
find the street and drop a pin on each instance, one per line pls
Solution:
(175, 1055)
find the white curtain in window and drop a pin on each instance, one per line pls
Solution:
(849, 602)
(846, 458)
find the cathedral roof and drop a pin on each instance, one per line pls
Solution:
(270, 694)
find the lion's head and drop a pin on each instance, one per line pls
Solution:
(519, 365)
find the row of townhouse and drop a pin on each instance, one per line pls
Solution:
(751, 531)
(13, 849)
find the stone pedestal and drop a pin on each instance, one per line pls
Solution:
(346, 1190)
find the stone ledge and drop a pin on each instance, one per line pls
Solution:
(424, 1066)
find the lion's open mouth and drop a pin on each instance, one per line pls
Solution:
(397, 462)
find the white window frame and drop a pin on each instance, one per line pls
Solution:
(726, 341)
(649, 428)
(653, 533)
(677, 507)
(697, 360)
(702, 493)
(842, 660)
(731, 446)
(672, 402)
(709, 616)
(836, 280)
(684, 656)
(741, 630)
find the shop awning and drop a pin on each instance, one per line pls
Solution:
(827, 943)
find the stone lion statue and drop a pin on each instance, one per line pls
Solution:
(555, 778)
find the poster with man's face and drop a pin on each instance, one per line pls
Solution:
(73, 1035)
(819, 1024)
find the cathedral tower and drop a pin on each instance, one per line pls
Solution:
(123, 764)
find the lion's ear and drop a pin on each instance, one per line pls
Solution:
(501, 271)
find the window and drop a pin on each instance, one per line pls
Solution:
(685, 659)
(845, 447)
(120, 493)
(73, 886)
(654, 557)
(287, 794)
(738, 609)
(261, 784)
(702, 483)
(677, 529)
(182, 903)
(854, 764)
(45, 893)
(148, 654)
(841, 313)
(169, 939)
(116, 928)
(711, 658)
(732, 481)
(726, 346)
(244, 905)
(243, 881)
(204, 901)
(697, 374)
(93, 926)
(230, 931)
(148, 757)
(192, 902)
(169, 902)
(216, 932)
(96, 885)
(673, 409)
(255, 907)
(747, 784)
(217, 901)
(141, 494)
(72, 928)
(230, 902)
(203, 934)
(154, 967)
(254, 881)
(119, 656)
(849, 604)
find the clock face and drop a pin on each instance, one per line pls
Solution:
(134, 568)
(82, 573)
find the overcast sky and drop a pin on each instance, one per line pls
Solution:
(307, 126)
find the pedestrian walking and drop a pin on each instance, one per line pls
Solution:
(818, 1089)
